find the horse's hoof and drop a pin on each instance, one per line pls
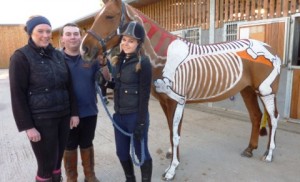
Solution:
(265, 157)
(169, 155)
(247, 153)
(167, 179)
(263, 131)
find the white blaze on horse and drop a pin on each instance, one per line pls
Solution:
(184, 72)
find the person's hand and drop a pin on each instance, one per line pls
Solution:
(139, 131)
(99, 77)
(105, 72)
(74, 122)
(102, 60)
(33, 135)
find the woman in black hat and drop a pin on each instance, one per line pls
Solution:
(132, 73)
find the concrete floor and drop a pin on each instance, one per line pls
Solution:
(210, 147)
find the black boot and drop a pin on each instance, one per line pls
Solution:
(146, 170)
(57, 177)
(128, 170)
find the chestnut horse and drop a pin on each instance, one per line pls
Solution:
(184, 72)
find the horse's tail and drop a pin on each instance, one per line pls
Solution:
(263, 124)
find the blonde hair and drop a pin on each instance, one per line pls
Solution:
(114, 60)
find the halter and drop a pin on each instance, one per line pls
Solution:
(101, 41)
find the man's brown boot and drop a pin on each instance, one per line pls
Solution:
(70, 162)
(88, 163)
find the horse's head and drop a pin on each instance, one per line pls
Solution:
(104, 33)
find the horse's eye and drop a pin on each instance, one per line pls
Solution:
(109, 17)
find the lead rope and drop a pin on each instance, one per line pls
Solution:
(134, 160)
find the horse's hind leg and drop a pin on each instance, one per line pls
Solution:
(251, 101)
(270, 105)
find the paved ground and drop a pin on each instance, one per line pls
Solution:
(211, 144)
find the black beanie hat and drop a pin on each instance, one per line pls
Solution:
(33, 22)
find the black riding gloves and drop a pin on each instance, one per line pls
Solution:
(139, 131)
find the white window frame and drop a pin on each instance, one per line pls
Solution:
(230, 31)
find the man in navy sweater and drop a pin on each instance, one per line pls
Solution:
(83, 76)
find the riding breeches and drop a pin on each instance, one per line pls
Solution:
(49, 150)
(128, 123)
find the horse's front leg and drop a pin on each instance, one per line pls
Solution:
(170, 171)
(270, 105)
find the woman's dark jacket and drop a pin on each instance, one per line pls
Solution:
(132, 88)
(40, 84)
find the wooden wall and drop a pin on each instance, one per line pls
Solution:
(11, 38)
(179, 14)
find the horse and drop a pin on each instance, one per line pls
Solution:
(185, 73)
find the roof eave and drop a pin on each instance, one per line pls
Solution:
(140, 3)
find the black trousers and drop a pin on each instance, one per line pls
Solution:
(84, 134)
(49, 150)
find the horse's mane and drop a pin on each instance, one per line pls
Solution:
(158, 36)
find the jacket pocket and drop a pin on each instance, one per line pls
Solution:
(129, 98)
(40, 99)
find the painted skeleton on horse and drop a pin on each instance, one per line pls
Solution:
(184, 72)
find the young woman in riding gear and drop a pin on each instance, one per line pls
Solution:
(132, 84)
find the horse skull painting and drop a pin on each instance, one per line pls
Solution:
(185, 73)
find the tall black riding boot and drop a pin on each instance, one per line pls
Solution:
(57, 177)
(146, 170)
(128, 170)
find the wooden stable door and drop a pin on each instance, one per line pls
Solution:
(295, 101)
(295, 64)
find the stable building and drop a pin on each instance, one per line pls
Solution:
(276, 22)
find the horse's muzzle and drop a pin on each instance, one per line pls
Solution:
(88, 54)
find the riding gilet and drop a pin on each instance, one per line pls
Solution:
(47, 82)
(126, 93)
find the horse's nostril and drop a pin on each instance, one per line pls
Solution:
(85, 49)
